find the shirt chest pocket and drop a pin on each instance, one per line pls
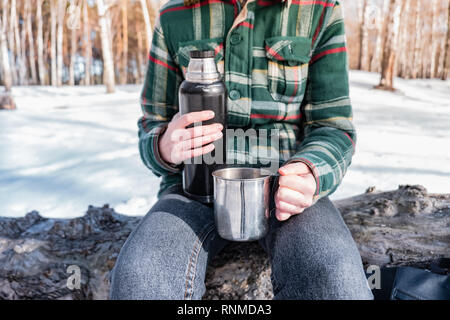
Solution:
(287, 67)
(184, 49)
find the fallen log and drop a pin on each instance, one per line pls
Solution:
(43, 258)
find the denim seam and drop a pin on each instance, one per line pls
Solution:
(276, 286)
(192, 266)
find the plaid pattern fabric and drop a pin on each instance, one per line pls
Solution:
(284, 63)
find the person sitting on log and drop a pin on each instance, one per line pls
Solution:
(284, 63)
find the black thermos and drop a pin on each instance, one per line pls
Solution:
(203, 89)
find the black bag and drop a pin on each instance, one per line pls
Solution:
(407, 283)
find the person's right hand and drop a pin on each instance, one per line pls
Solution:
(179, 143)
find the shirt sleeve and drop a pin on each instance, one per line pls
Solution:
(159, 102)
(329, 135)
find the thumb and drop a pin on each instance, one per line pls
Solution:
(298, 168)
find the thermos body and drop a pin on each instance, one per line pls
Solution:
(204, 93)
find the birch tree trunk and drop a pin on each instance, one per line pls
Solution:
(446, 68)
(11, 43)
(29, 26)
(53, 15)
(40, 44)
(418, 41)
(87, 44)
(73, 23)
(443, 41)
(73, 52)
(434, 38)
(108, 63)
(360, 7)
(382, 22)
(20, 63)
(124, 69)
(148, 25)
(6, 67)
(427, 38)
(404, 58)
(46, 53)
(390, 47)
(23, 47)
(140, 61)
(364, 63)
(60, 38)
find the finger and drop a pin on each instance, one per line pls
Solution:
(287, 207)
(193, 117)
(298, 168)
(293, 197)
(282, 216)
(304, 184)
(197, 152)
(199, 131)
(200, 141)
(267, 213)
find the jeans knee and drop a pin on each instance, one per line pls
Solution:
(130, 277)
(329, 273)
(163, 258)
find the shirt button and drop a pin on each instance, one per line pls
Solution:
(235, 38)
(235, 94)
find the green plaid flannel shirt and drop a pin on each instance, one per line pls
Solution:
(284, 63)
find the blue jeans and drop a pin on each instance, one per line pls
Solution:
(312, 255)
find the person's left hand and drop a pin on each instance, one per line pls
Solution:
(296, 190)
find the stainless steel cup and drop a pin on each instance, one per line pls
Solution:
(241, 203)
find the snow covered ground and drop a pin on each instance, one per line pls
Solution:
(65, 148)
(403, 137)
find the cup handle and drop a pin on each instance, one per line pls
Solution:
(273, 189)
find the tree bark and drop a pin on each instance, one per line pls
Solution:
(442, 42)
(446, 68)
(148, 25)
(23, 44)
(390, 47)
(59, 42)
(381, 26)
(53, 60)
(6, 67)
(87, 44)
(124, 67)
(434, 39)
(364, 61)
(140, 61)
(11, 43)
(29, 25)
(404, 57)
(40, 44)
(22, 71)
(407, 226)
(418, 41)
(73, 23)
(108, 63)
(73, 52)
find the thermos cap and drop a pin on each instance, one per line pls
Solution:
(198, 54)
(202, 67)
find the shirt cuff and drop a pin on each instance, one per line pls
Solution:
(157, 133)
